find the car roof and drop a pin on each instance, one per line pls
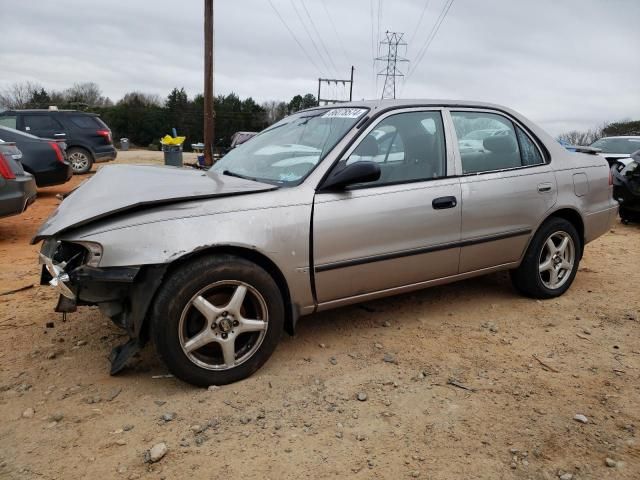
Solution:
(397, 103)
(46, 110)
(635, 137)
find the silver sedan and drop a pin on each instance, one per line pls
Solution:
(331, 206)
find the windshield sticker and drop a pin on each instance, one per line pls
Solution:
(288, 177)
(344, 113)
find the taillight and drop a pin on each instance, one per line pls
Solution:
(5, 170)
(59, 154)
(610, 178)
(106, 134)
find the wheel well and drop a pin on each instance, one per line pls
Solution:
(80, 147)
(257, 258)
(575, 219)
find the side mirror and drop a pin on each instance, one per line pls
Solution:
(359, 172)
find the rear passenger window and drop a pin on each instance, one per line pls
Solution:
(40, 122)
(489, 142)
(8, 121)
(528, 150)
(85, 121)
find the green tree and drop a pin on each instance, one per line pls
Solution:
(299, 102)
(40, 99)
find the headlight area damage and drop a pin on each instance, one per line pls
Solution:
(123, 294)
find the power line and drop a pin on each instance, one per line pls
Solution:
(313, 42)
(335, 30)
(426, 5)
(322, 44)
(432, 35)
(293, 35)
(373, 52)
(379, 15)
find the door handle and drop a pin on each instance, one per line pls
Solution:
(545, 187)
(441, 203)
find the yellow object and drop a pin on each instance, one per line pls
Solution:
(169, 140)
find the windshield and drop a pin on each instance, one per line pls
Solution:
(285, 153)
(617, 145)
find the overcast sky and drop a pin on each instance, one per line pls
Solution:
(566, 64)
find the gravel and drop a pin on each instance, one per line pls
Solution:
(578, 417)
(155, 453)
(167, 417)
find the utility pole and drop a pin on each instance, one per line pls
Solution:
(391, 71)
(335, 81)
(209, 114)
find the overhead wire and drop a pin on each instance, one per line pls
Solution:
(424, 10)
(313, 42)
(373, 52)
(322, 44)
(335, 30)
(430, 37)
(293, 35)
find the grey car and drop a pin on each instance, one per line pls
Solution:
(17, 187)
(317, 212)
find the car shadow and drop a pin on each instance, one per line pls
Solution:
(485, 290)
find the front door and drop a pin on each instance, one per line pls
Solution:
(507, 188)
(400, 230)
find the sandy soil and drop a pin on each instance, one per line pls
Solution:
(529, 367)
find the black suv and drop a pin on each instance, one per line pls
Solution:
(87, 137)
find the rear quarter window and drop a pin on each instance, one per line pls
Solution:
(8, 121)
(87, 121)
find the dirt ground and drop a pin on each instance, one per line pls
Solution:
(527, 368)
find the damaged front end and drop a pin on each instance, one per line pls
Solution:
(123, 294)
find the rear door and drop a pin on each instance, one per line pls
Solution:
(507, 188)
(400, 230)
(42, 125)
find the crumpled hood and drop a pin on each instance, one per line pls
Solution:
(119, 188)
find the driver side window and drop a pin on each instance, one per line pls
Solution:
(408, 147)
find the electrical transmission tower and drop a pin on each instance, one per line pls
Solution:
(391, 44)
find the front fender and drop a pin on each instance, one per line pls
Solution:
(280, 234)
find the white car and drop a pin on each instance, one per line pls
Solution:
(618, 149)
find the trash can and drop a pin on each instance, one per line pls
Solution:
(172, 155)
(124, 144)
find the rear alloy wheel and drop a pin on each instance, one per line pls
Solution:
(551, 261)
(217, 320)
(81, 160)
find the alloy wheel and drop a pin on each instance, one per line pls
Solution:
(79, 161)
(557, 260)
(223, 325)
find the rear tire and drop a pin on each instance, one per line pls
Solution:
(81, 160)
(551, 261)
(202, 334)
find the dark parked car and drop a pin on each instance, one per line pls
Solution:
(43, 158)
(17, 187)
(88, 138)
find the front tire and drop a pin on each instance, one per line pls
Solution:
(217, 319)
(551, 261)
(81, 160)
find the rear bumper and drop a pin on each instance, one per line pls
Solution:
(60, 173)
(105, 154)
(599, 223)
(17, 195)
